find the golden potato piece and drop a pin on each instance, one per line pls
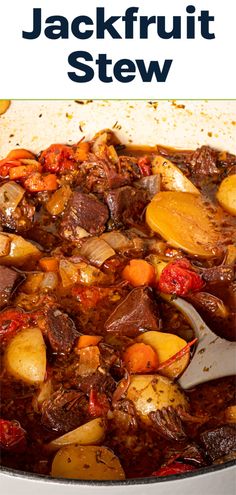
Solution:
(226, 194)
(167, 345)
(25, 356)
(21, 252)
(182, 219)
(4, 105)
(91, 433)
(87, 463)
(153, 392)
(172, 179)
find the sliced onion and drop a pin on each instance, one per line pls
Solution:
(50, 281)
(11, 194)
(89, 360)
(152, 184)
(117, 240)
(58, 200)
(97, 251)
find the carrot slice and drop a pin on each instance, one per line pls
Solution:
(139, 272)
(140, 358)
(178, 355)
(81, 153)
(20, 153)
(37, 182)
(49, 264)
(23, 171)
(88, 340)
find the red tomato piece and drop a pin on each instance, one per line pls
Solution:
(98, 403)
(12, 436)
(58, 158)
(179, 278)
(144, 165)
(174, 468)
(12, 320)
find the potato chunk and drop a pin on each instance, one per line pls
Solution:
(153, 392)
(87, 463)
(172, 179)
(90, 433)
(166, 345)
(226, 194)
(182, 219)
(25, 356)
(21, 252)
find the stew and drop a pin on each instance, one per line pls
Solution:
(92, 235)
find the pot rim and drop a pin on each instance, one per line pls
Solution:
(128, 482)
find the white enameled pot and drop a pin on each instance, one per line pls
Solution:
(184, 124)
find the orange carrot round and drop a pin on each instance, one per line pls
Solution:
(49, 264)
(139, 272)
(140, 358)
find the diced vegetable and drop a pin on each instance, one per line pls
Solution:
(58, 200)
(139, 272)
(10, 196)
(21, 251)
(88, 340)
(19, 154)
(25, 170)
(172, 179)
(91, 433)
(153, 392)
(11, 321)
(38, 182)
(12, 436)
(179, 278)
(226, 194)
(49, 264)
(89, 360)
(166, 345)
(25, 356)
(97, 251)
(49, 282)
(87, 463)
(81, 151)
(140, 358)
(58, 158)
(6, 165)
(117, 240)
(4, 105)
(183, 220)
(72, 273)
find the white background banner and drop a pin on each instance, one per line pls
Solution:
(38, 68)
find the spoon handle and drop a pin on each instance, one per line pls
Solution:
(213, 358)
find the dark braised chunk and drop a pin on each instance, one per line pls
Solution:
(220, 441)
(83, 212)
(8, 280)
(64, 411)
(219, 274)
(203, 161)
(137, 313)
(61, 331)
(167, 423)
(126, 204)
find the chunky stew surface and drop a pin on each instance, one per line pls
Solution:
(93, 237)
